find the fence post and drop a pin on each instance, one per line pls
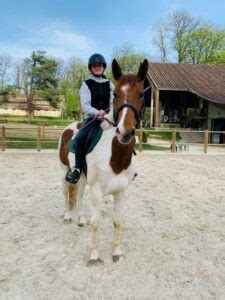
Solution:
(39, 139)
(174, 137)
(206, 141)
(43, 132)
(140, 138)
(3, 139)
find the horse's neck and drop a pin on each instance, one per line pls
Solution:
(119, 155)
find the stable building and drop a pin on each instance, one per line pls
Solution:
(187, 96)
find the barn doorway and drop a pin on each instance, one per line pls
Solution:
(218, 125)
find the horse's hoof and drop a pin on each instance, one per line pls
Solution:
(94, 262)
(67, 221)
(81, 221)
(116, 258)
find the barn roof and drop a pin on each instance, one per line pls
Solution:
(206, 81)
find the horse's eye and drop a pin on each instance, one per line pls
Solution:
(115, 95)
(141, 95)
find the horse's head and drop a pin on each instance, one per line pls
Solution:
(128, 101)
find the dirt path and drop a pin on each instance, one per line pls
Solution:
(173, 233)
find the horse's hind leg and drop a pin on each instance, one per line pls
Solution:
(70, 193)
(96, 201)
(81, 217)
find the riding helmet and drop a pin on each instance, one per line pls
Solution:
(96, 58)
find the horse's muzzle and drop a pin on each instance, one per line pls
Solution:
(125, 138)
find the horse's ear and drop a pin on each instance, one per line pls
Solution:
(143, 69)
(116, 70)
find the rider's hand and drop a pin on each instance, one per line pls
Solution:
(101, 113)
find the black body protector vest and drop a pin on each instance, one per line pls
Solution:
(100, 94)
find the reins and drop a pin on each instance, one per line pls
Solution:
(88, 123)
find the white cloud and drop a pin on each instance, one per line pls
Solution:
(58, 39)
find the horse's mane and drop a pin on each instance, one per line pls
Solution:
(129, 78)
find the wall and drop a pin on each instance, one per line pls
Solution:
(37, 113)
(215, 112)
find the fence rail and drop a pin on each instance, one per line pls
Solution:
(40, 135)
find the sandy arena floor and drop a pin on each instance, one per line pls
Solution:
(173, 234)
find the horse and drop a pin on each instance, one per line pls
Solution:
(110, 165)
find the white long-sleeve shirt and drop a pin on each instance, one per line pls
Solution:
(85, 97)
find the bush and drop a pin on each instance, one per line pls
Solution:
(145, 136)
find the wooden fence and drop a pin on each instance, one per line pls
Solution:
(42, 135)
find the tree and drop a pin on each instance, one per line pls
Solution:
(202, 46)
(128, 59)
(220, 58)
(39, 78)
(181, 23)
(5, 64)
(72, 76)
(18, 75)
(161, 40)
(44, 78)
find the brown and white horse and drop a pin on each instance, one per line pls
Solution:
(111, 164)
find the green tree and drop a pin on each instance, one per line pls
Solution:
(220, 58)
(39, 78)
(44, 78)
(202, 46)
(74, 73)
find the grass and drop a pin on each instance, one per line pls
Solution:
(31, 143)
(164, 135)
(147, 147)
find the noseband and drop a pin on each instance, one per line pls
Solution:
(138, 114)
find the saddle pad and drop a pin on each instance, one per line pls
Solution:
(93, 136)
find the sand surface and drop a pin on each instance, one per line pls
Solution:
(173, 235)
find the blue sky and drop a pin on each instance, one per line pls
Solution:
(71, 28)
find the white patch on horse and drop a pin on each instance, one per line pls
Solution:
(121, 122)
(120, 126)
(71, 158)
(125, 88)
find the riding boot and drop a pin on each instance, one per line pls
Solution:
(73, 175)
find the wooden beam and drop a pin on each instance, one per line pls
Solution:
(39, 138)
(174, 140)
(206, 141)
(140, 138)
(3, 139)
(156, 93)
(152, 106)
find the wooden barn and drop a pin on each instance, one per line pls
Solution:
(187, 96)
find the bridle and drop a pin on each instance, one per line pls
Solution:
(138, 114)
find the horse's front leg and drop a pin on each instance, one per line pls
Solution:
(70, 193)
(116, 253)
(96, 201)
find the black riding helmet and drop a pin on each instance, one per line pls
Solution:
(96, 58)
